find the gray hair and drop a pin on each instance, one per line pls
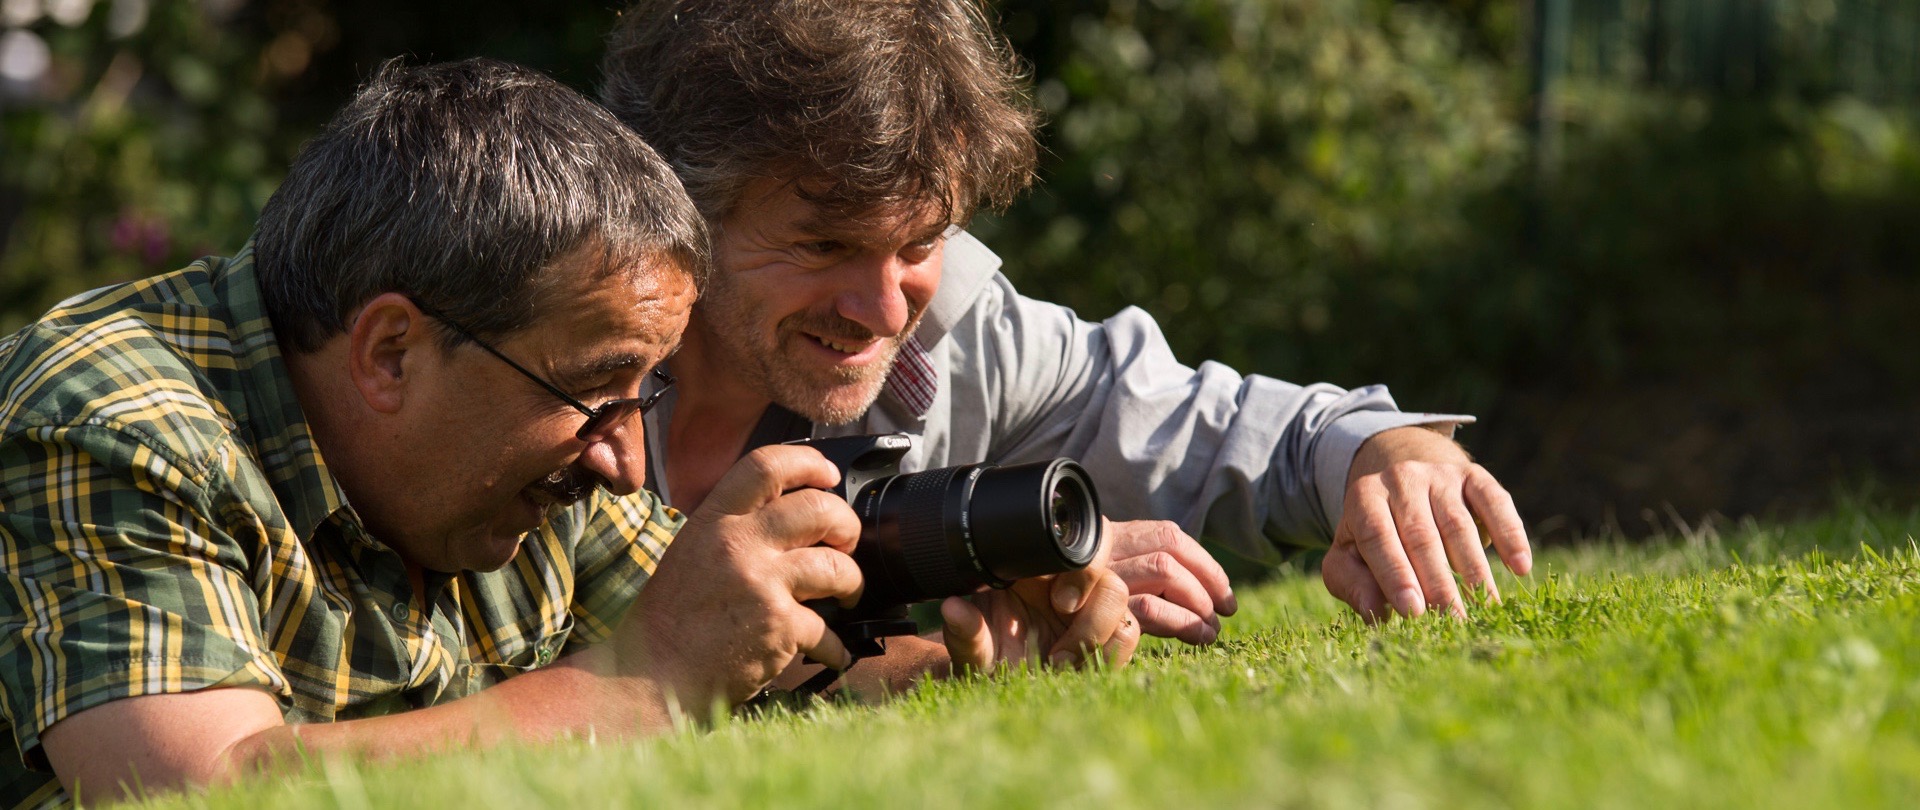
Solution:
(873, 104)
(460, 184)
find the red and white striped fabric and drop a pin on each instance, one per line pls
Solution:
(912, 379)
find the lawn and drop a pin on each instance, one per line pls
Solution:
(1740, 667)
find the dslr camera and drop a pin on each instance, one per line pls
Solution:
(951, 531)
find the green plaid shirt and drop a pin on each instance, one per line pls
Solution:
(167, 525)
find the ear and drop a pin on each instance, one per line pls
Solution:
(388, 342)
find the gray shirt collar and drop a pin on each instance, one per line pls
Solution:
(967, 267)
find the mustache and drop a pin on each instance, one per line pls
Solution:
(833, 326)
(568, 485)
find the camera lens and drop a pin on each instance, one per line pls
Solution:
(1066, 507)
(956, 530)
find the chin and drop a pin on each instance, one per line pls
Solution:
(826, 396)
(495, 564)
(837, 405)
(495, 555)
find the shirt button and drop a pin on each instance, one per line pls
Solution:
(545, 657)
(401, 611)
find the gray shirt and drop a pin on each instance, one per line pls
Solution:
(1253, 463)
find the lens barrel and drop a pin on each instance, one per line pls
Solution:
(956, 530)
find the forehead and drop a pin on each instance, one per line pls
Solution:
(596, 315)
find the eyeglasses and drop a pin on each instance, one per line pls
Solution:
(601, 421)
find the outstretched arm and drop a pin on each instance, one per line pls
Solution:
(1253, 462)
(169, 741)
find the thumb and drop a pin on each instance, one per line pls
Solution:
(969, 645)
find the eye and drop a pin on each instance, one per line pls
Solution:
(823, 247)
(599, 392)
(917, 252)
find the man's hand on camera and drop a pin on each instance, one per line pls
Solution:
(722, 615)
(1060, 620)
(1415, 508)
(1178, 590)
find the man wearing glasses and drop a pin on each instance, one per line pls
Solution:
(372, 484)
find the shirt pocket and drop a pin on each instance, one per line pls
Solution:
(518, 652)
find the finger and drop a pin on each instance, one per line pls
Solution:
(969, 645)
(1110, 536)
(1069, 590)
(1374, 534)
(1159, 617)
(1348, 579)
(1462, 540)
(1413, 517)
(1119, 649)
(1491, 503)
(1143, 537)
(762, 475)
(818, 642)
(818, 572)
(1206, 571)
(1161, 574)
(1106, 608)
(809, 517)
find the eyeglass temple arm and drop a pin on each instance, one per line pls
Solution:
(577, 404)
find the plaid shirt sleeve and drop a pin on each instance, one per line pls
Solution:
(621, 544)
(119, 575)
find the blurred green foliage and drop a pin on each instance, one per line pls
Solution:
(1344, 190)
(1696, 298)
(141, 150)
(1234, 166)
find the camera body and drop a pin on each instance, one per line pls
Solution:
(950, 531)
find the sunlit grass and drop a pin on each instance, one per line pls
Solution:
(1727, 666)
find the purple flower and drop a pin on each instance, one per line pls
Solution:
(147, 237)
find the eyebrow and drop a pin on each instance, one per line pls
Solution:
(611, 362)
(596, 366)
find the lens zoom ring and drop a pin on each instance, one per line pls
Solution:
(923, 537)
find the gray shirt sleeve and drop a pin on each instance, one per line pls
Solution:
(1251, 462)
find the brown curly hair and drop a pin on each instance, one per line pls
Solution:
(873, 105)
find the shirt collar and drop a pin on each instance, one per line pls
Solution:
(967, 266)
(276, 426)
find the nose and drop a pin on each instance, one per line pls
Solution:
(875, 293)
(620, 459)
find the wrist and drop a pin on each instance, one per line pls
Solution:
(1409, 443)
(649, 674)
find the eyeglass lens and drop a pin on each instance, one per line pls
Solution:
(602, 421)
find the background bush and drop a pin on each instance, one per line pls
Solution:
(1693, 299)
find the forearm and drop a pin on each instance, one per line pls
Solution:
(179, 740)
(573, 698)
(1247, 460)
(908, 659)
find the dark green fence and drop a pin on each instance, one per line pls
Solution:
(1866, 48)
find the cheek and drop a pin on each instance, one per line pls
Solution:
(920, 283)
(762, 304)
(506, 459)
(728, 298)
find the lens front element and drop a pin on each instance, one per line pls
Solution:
(1073, 518)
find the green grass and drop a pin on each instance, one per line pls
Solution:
(1742, 667)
